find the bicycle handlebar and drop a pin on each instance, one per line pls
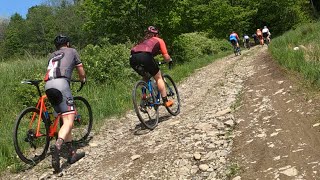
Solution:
(81, 86)
(163, 62)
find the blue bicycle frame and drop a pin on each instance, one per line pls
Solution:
(157, 95)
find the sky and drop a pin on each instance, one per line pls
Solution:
(9, 7)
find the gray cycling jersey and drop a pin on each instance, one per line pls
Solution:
(61, 63)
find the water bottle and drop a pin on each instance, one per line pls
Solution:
(46, 114)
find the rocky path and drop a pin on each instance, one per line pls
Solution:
(278, 137)
(234, 124)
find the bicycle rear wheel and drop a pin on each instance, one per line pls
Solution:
(144, 105)
(82, 124)
(172, 94)
(31, 149)
(266, 41)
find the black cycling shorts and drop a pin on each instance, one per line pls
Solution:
(265, 35)
(144, 62)
(233, 42)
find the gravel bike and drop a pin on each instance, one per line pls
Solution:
(246, 43)
(266, 41)
(236, 49)
(147, 99)
(35, 126)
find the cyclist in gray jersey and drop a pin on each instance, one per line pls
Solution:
(60, 67)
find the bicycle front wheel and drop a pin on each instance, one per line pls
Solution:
(145, 106)
(172, 94)
(82, 124)
(31, 148)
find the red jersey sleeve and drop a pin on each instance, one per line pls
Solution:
(163, 47)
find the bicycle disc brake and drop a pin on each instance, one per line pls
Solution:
(30, 138)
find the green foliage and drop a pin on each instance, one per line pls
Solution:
(306, 60)
(90, 21)
(14, 37)
(282, 15)
(196, 45)
(34, 35)
(107, 63)
(11, 104)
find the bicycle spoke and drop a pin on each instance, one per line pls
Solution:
(83, 120)
(144, 105)
(172, 93)
(30, 147)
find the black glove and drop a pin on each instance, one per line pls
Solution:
(170, 63)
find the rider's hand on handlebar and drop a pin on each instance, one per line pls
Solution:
(170, 63)
(83, 81)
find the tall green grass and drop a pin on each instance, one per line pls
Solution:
(106, 100)
(305, 60)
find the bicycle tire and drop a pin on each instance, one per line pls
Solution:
(30, 149)
(172, 94)
(235, 50)
(83, 121)
(267, 41)
(144, 105)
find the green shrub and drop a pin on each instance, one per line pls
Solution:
(107, 63)
(196, 45)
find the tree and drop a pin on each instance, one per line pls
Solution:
(15, 36)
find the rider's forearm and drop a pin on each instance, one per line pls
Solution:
(166, 57)
(81, 73)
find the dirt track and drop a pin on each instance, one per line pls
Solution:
(271, 134)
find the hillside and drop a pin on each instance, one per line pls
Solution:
(241, 117)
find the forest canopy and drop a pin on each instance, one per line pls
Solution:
(95, 21)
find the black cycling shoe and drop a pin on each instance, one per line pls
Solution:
(75, 157)
(55, 158)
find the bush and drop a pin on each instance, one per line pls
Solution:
(196, 45)
(107, 63)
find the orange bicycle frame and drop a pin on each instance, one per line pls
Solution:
(42, 107)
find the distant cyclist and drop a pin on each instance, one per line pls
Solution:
(142, 55)
(60, 66)
(255, 38)
(260, 37)
(266, 33)
(234, 39)
(246, 41)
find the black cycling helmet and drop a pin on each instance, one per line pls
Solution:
(152, 29)
(61, 40)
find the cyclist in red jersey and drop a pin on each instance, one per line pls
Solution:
(142, 55)
(259, 34)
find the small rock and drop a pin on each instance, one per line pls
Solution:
(229, 123)
(92, 144)
(237, 178)
(223, 112)
(197, 156)
(44, 176)
(203, 167)
(290, 172)
(316, 125)
(135, 157)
